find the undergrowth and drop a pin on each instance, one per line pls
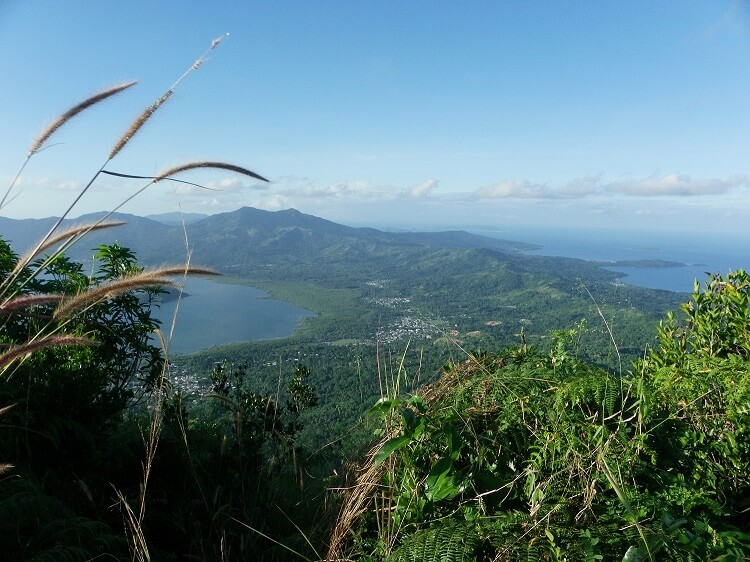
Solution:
(541, 456)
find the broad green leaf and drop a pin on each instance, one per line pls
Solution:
(418, 402)
(441, 482)
(454, 442)
(409, 418)
(382, 406)
(634, 554)
(389, 446)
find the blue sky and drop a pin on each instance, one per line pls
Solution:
(633, 114)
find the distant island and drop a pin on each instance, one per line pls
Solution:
(641, 263)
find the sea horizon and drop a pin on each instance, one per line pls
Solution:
(699, 253)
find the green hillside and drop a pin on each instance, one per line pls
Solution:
(442, 281)
(525, 357)
(501, 453)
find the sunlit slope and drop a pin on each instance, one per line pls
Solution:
(400, 285)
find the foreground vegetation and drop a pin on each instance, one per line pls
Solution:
(523, 453)
(553, 448)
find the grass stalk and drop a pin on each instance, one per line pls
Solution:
(119, 145)
(52, 128)
(22, 350)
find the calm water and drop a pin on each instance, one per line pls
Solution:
(700, 252)
(218, 313)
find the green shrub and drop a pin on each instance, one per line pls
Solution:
(545, 457)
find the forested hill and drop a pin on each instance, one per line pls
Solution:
(143, 235)
(361, 280)
(223, 240)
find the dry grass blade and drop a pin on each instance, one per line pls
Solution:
(265, 536)
(625, 502)
(115, 288)
(139, 546)
(204, 164)
(27, 301)
(22, 350)
(44, 136)
(74, 231)
(131, 176)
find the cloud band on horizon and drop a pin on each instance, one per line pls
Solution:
(669, 185)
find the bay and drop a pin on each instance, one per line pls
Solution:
(698, 252)
(220, 313)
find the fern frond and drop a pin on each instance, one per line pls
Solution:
(448, 541)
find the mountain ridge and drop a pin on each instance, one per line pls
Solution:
(247, 229)
(365, 282)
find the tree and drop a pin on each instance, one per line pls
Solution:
(67, 403)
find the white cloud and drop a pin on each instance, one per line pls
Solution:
(273, 203)
(423, 189)
(670, 185)
(589, 195)
(236, 184)
(45, 182)
(524, 189)
(311, 191)
(357, 190)
(676, 185)
(513, 189)
(185, 190)
(582, 187)
(66, 186)
(214, 204)
(222, 187)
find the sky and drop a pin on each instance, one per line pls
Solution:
(634, 115)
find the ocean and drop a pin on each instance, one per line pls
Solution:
(698, 252)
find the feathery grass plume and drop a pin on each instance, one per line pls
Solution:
(141, 120)
(205, 164)
(26, 301)
(44, 136)
(168, 270)
(73, 232)
(71, 305)
(50, 130)
(141, 280)
(137, 124)
(24, 349)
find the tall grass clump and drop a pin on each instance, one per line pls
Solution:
(83, 387)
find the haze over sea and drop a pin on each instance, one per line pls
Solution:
(700, 252)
